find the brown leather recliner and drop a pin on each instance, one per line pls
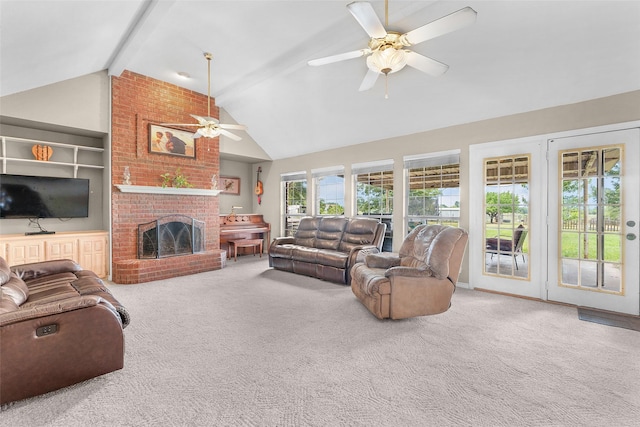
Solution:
(59, 325)
(417, 281)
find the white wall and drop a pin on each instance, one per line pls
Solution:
(614, 109)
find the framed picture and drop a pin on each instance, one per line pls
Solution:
(164, 140)
(230, 185)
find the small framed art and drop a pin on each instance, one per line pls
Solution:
(230, 185)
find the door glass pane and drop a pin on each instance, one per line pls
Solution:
(591, 239)
(506, 225)
(612, 277)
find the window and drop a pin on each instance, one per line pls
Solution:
(295, 200)
(506, 210)
(329, 191)
(433, 189)
(374, 194)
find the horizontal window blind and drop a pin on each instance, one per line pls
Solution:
(293, 176)
(333, 170)
(430, 160)
(371, 167)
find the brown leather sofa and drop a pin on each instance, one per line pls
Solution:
(327, 247)
(417, 281)
(59, 325)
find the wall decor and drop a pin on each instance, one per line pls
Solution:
(229, 185)
(175, 142)
(42, 152)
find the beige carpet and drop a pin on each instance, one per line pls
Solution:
(250, 346)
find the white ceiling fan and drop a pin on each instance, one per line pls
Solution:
(387, 51)
(210, 127)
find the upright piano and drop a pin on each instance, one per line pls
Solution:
(249, 226)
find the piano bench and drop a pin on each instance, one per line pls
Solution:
(244, 243)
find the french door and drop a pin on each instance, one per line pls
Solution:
(574, 201)
(594, 210)
(507, 203)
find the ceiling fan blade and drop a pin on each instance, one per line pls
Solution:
(444, 25)
(229, 135)
(426, 65)
(339, 57)
(367, 18)
(369, 80)
(228, 126)
(204, 120)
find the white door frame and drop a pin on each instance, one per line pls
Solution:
(539, 209)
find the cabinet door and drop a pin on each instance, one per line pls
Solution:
(25, 251)
(61, 249)
(93, 254)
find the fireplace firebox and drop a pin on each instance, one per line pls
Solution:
(171, 235)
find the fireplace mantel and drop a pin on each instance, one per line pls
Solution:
(147, 189)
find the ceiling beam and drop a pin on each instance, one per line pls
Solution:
(145, 22)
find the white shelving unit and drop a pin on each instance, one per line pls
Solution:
(75, 149)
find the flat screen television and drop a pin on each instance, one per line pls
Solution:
(23, 196)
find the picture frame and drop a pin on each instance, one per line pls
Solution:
(172, 142)
(230, 185)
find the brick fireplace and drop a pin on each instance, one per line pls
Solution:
(137, 102)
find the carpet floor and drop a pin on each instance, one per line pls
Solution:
(251, 346)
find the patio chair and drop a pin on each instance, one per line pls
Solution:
(495, 245)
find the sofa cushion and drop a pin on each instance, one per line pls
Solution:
(332, 258)
(430, 248)
(306, 233)
(359, 231)
(413, 252)
(7, 305)
(281, 251)
(305, 254)
(15, 290)
(330, 232)
(440, 251)
(5, 271)
(46, 268)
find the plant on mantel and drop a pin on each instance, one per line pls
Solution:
(178, 180)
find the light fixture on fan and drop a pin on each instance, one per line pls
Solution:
(210, 127)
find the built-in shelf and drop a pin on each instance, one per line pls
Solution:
(147, 189)
(72, 151)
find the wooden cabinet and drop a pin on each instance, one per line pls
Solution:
(23, 251)
(87, 248)
(93, 252)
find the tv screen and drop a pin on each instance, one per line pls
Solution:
(23, 196)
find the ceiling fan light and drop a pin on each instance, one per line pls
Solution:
(387, 61)
(207, 132)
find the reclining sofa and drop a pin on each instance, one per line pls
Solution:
(59, 325)
(327, 247)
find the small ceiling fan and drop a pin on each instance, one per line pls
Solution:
(210, 127)
(386, 53)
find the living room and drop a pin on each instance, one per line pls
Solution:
(113, 112)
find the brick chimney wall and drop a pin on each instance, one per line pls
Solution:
(137, 102)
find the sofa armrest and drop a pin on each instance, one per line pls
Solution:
(359, 254)
(45, 268)
(408, 272)
(57, 307)
(282, 241)
(382, 260)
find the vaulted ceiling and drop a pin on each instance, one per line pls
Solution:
(519, 56)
